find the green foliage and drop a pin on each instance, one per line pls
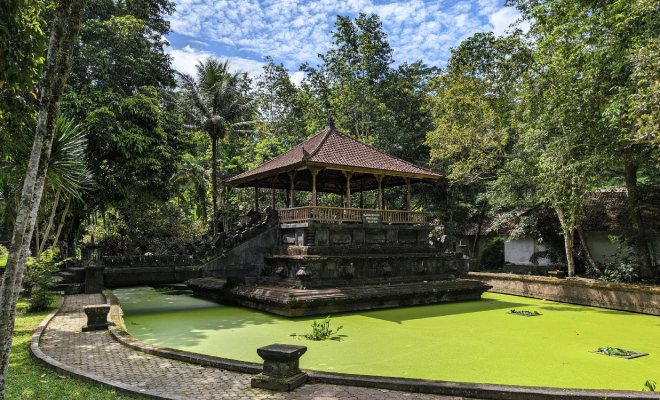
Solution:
(22, 44)
(613, 351)
(37, 281)
(322, 331)
(491, 256)
(143, 228)
(120, 54)
(649, 386)
(3, 256)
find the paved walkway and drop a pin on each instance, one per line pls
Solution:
(97, 353)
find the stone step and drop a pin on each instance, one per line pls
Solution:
(71, 288)
(67, 277)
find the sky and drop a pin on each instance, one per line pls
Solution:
(294, 32)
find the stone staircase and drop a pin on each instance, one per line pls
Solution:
(71, 280)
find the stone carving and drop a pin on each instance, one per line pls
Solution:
(347, 271)
(419, 269)
(281, 272)
(387, 270)
(304, 273)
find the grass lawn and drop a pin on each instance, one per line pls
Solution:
(475, 341)
(29, 379)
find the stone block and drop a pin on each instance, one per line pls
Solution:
(97, 317)
(281, 368)
(94, 280)
(392, 236)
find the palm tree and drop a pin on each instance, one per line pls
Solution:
(192, 170)
(217, 105)
(67, 173)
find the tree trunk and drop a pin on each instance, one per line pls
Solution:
(214, 181)
(202, 198)
(64, 35)
(482, 216)
(569, 235)
(61, 225)
(50, 223)
(641, 244)
(590, 257)
(36, 238)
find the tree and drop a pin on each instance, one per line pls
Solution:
(22, 46)
(67, 175)
(350, 80)
(589, 44)
(217, 104)
(64, 34)
(192, 170)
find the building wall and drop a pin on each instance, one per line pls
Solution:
(602, 249)
(519, 251)
(465, 243)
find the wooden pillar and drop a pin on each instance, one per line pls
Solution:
(361, 197)
(314, 173)
(256, 197)
(408, 200)
(292, 176)
(379, 178)
(348, 176)
(272, 193)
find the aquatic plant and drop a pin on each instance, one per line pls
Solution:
(322, 331)
(525, 313)
(613, 351)
(649, 386)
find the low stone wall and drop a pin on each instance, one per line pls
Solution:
(133, 276)
(588, 292)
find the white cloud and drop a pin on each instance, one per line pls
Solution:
(502, 20)
(185, 59)
(296, 31)
(297, 77)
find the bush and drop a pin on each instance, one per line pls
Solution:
(492, 255)
(38, 281)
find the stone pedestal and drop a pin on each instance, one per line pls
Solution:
(97, 317)
(281, 368)
(94, 279)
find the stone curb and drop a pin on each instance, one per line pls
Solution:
(483, 391)
(76, 373)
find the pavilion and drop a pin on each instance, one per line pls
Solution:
(333, 162)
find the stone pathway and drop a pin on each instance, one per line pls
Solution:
(97, 353)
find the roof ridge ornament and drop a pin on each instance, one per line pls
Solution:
(331, 122)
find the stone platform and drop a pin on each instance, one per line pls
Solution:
(292, 302)
(322, 268)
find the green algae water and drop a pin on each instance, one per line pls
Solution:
(467, 342)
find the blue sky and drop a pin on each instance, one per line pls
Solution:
(293, 32)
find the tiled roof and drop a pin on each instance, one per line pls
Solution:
(334, 148)
(605, 210)
(608, 209)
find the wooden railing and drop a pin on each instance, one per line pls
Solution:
(338, 215)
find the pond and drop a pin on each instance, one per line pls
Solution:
(467, 342)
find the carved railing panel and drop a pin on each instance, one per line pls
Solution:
(338, 215)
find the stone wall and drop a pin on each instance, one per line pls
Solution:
(246, 260)
(588, 292)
